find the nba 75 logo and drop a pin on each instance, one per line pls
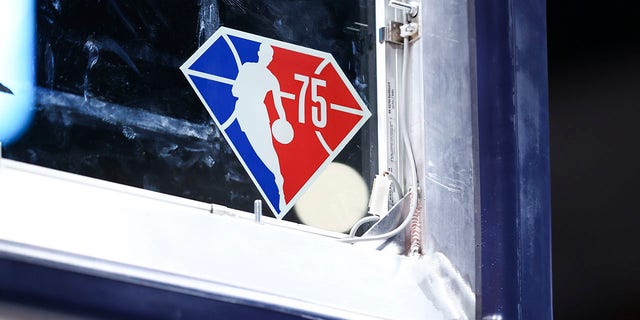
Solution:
(286, 110)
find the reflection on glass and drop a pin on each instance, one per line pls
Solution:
(16, 70)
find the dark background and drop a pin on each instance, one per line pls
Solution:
(594, 90)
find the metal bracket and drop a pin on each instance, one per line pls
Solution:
(395, 31)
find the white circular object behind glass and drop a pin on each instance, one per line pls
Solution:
(336, 200)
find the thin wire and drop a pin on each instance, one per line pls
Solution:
(360, 222)
(410, 158)
(396, 184)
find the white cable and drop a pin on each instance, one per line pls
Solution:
(396, 185)
(360, 222)
(410, 157)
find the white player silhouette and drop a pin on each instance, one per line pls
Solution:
(251, 87)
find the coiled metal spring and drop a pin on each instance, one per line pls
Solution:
(415, 232)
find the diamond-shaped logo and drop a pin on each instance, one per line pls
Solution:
(286, 110)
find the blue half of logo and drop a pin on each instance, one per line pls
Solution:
(216, 70)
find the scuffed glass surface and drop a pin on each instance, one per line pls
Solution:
(112, 104)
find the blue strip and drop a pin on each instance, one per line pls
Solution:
(75, 293)
(514, 158)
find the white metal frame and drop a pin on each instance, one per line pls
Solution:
(126, 233)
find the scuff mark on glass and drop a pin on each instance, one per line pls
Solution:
(49, 65)
(186, 157)
(159, 141)
(123, 18)
(125, 116)
(284, 31)
(128, 132)
(33, 155)
(109, 44)
(237, 197)
(49, 10)
(167, 150)
(359, 83)
(209, 161)
(56, 5)
(146, 53)
(234, 176)
(94, 54)
(208, 20)
(182, 158)
(236, 5)
(151, 182)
